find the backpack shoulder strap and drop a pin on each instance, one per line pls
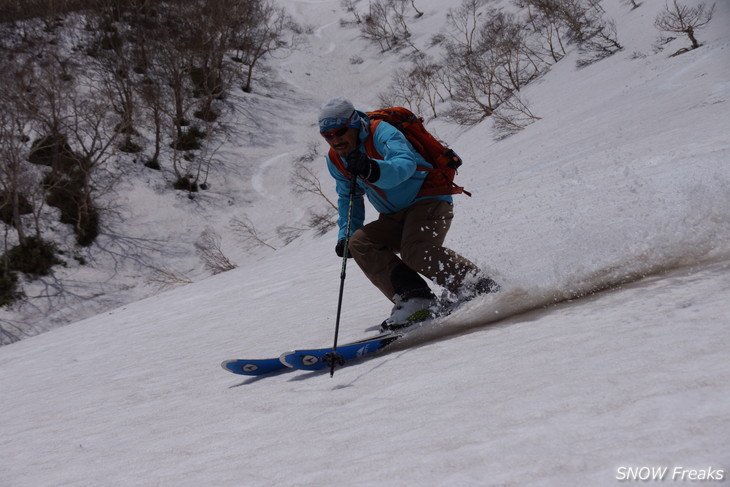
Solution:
(336, 160)
(369, 143)
(370, 149)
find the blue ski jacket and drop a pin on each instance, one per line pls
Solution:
(399, 182)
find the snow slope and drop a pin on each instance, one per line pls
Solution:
(620, 188)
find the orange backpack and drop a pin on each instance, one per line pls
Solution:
(440, 178)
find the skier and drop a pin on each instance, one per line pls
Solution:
(414, 227)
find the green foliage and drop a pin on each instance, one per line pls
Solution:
(66, 185)
(35, 258)
(206, 115)
(129, 146)
(153, 164)
(190, 139)
(206, 82)
(6, 210)
(87, 227)
(66, 192)
(186, 183)
(9, 288)
(53, 151)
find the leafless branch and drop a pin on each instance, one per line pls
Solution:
(246, 230)
(209, 249)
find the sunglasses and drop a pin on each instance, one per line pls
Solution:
(331, 134)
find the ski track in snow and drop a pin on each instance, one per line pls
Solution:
(257, 180)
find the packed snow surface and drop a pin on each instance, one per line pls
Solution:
(607, 222)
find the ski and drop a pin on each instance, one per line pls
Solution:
(253, 366)
(315, 359)
(257, 367)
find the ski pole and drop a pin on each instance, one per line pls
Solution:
(334, 358)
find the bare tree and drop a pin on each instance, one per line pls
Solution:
(13, 179)
(491, 60)
(44, 89)
(404, 90)
(385, 23)
(20, 182)
(602, 44)
(208, 247)
(322, 220)
(418, 12)
(579, 17)
(512, 116)
(214, 34)
(151, 88)
(544, 20)
(288, 233)
(250, 237)
(476, 89)
(260, 29)
(152, 95)
(168, 88)
(416, 86)
(582, 22)
(165, 278)
(173, 64)
(12, 332)
(378, 28)
(473, 75)
(112, 59)
(92, 138)
(681, 19)
(351, 8)
(398, 10)
(303, 178)
(430, 75)
(48, 92)
(506, 36)
(75, 134)
(493, 53)
(463, 24)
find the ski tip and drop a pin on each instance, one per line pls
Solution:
(225, 363)
(231, 366)
(284, 356)
(252, 367)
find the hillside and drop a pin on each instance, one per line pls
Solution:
(614, 205)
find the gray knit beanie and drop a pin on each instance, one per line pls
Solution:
(336, 113)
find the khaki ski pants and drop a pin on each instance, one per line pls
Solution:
(418, 234)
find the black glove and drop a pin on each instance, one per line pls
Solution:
(360, 165)
(340, 249)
